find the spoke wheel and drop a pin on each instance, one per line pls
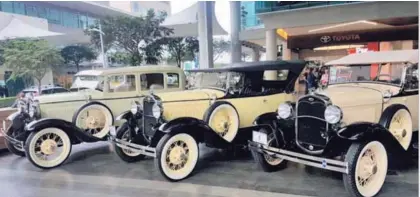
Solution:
(368, 166)
(12, 148)
(401, 127)
(177, 156)
(224, 120)
(267, 162)
(94, 119)
(270, 159)
(127, 155)
(48, 148)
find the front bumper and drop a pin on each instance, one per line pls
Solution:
(319, 162)
(16, 143)
(136, 148)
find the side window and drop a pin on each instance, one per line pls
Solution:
(46, 91)
(281, 75)
(151, 79)
(122, 83)
(60, 90)
(172, 80)
(412, 78)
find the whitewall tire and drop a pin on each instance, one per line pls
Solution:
(48, 148)
(224, 120)
(368, 166)
(94, 118)
(176, 156)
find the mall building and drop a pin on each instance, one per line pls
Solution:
(67, 19)
(321, 31)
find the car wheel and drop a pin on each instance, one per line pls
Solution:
(267, 162)
(48, 148)
(125, 154)
(94, 118)
(401, 127)
(223, 118)
(368, 166)
(176, 156)
(12, 148)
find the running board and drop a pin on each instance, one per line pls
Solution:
(144, 150)
(319, 162)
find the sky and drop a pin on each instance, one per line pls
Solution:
(221, 10)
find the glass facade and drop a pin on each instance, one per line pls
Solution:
(53, 14)
(250, 9)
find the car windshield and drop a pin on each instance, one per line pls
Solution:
(87, 82)
(385, 73)
(219, 80)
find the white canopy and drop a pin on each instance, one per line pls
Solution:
(19, 29)
(185, 23)
(411, 56)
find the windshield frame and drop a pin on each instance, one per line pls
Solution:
(228, 78)
(400, 85)
(100, 79)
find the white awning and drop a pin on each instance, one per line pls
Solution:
(400, 56)
(185, 23)
(19, 29)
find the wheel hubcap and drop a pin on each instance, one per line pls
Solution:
(48, 147)
(369, 168)
(401, 127)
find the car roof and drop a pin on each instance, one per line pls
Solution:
(129, 69)
(375, 57)
(292, 65)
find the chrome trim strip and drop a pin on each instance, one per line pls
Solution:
(319, 162)
(144, 150)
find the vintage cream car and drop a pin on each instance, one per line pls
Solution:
(83, 116)
(219, 112)
(367, 114)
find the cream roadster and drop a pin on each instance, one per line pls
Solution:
(45, 127)
(218, 112)
(360, 123)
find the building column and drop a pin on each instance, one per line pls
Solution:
(271, 51)
(286, 53)
(205, 34)
(255, 56)
(235, 27)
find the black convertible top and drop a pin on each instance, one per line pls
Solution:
(295, 66)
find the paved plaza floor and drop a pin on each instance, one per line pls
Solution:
(93, 170)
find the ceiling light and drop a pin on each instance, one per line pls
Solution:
(343, 25)
(338, 47)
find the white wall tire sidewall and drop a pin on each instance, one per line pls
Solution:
(57, 161)
(380, 153)
(108, 121)
(192, 158)
(231, 134)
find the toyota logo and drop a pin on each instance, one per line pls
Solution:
(325, 39)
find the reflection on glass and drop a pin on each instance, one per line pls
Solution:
(217, 80)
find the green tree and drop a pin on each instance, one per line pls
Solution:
(141, 37)
(177, 48)
(32, 58)
(192, 47)
(76, 54)
(219, 48)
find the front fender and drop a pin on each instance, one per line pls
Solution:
(12, 116)
(75, 134)
(124, 116)
(196, 128)
(358, 132)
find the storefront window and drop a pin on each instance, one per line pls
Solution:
(54, 16)
(83, 21)
(31, 10)
(7, 6)
(19, 8)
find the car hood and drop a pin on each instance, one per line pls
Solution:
(190, 95)
(352, 95)
(63, 97)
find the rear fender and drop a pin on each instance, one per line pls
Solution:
(358, 132)
(196, 128)
(75, 134)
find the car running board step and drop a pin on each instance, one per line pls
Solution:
(144, 150)
(319, 162)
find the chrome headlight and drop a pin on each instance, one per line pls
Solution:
(157, 111)
(333, 114)
(32, 111)
(284, 111)
(134, 108)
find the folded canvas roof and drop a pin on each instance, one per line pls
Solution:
(406, 56)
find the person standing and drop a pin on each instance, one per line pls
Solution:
(310, 80)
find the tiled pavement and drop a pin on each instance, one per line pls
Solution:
(93, 170)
